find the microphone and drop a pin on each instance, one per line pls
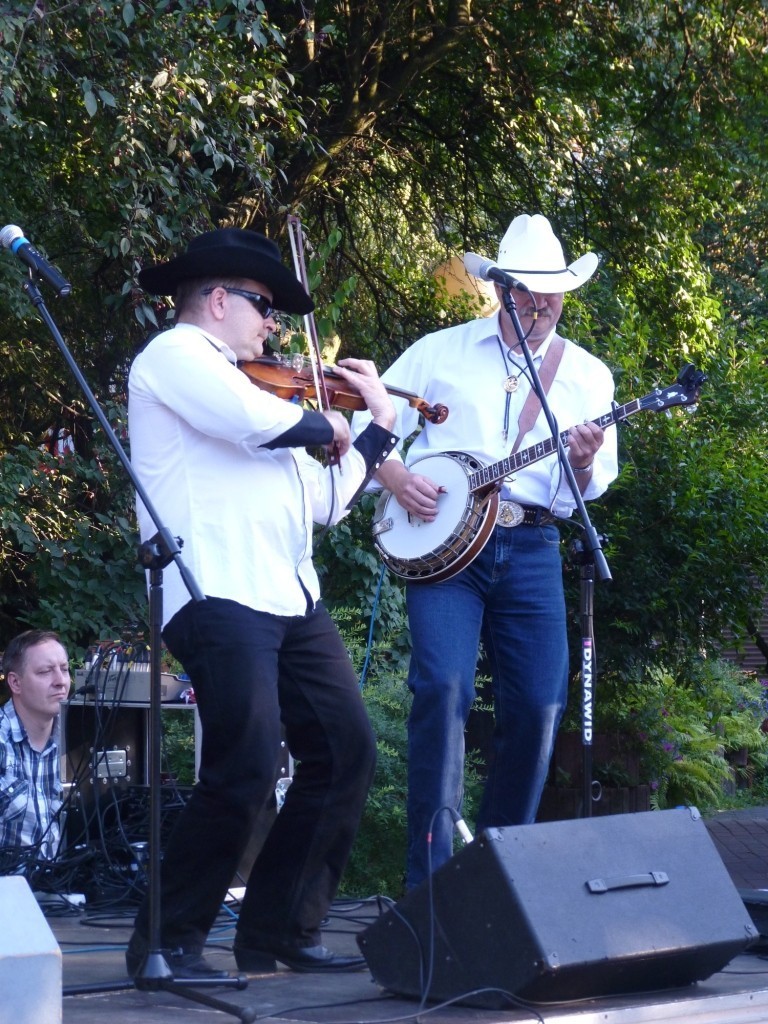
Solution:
(487, 270)
(12, 237)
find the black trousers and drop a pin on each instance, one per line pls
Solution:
(251, 672)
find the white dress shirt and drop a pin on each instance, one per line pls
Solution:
(245, 514)
(464, 368)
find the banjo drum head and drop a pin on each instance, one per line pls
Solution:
(409, 537)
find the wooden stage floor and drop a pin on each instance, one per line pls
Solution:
(94, 973)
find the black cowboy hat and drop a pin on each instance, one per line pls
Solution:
(231, 252)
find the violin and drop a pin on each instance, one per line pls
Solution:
(292, 378)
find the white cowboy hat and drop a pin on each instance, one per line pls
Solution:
(531, 253)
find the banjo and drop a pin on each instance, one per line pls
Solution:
(469, 499)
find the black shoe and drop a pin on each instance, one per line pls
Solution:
(183, 964)
(264, 959)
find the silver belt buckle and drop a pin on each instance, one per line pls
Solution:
(509, 514)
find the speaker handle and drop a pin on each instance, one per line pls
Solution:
(599, 885)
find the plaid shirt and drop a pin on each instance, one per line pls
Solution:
(30, 787)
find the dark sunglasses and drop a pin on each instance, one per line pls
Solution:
(262, 305)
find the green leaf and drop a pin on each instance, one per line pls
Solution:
(91, 103)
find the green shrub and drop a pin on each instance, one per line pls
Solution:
(685, 720)
(377, 863)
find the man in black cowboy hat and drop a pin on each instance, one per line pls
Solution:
(510, 596)
(225, 465)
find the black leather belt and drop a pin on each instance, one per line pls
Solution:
(512, 513)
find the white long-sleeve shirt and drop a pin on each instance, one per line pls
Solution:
(464, 368)
(245, 513)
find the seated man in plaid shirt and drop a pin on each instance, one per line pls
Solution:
(36, 668)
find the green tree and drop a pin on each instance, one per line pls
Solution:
(409, 133)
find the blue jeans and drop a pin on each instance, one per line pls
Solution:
(251, 672)
(511, 597)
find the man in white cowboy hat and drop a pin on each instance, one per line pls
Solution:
(225, 466)
(509, 597)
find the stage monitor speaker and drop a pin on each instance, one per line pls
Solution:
(565, 910)
(30, 959)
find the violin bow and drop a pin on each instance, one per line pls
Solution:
(296, 237)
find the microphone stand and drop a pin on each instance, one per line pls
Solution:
(592, 558)
(153, 555)
(577, 553)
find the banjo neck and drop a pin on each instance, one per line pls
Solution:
(483, 478)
